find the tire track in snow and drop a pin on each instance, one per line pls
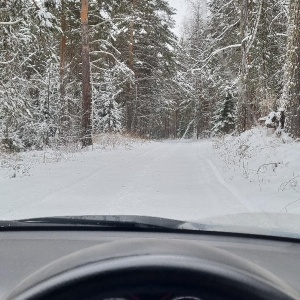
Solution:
(238, 196)
(77, 181)
(88, 176)
(230, 188)
(220, 179)
(138, 177)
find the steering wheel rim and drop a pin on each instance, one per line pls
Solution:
(156, 270)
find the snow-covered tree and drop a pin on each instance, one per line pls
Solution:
(291, 92)
(108, 115)
(224, 119)
(24, 58)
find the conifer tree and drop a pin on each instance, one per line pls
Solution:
(224, 119)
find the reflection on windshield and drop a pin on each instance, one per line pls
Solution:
(111, 108)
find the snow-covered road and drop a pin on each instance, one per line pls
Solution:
(168, 179)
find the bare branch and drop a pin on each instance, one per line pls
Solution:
(289, 204)
(103, 52)
(253, 36)
(7, 62)
(227, 29)
(11, 23)
(36, 5)
(206, 61)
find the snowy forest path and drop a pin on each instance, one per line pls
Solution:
(173, 179)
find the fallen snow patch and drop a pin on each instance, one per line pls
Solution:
(20, 164)
(271, 165)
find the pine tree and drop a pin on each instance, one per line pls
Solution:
(108, 116)
(224, 120)
(147, 60)
(24, 61)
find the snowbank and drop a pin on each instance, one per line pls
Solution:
(21, 164)
(266, 169)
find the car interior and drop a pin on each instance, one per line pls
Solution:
(85, 262)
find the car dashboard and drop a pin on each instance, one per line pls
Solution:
(25, 252)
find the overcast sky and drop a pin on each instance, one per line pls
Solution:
(183, 12)
(180, 5)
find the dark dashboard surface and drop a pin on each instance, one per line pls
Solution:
(24, 252)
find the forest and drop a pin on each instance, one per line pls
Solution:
(72, 69)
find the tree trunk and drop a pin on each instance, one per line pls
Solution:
(247, 107)
(242, 121)
(86, 85)
(63, 51)
(291, 93)
(129, 102)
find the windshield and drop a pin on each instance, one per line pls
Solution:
(186, 110)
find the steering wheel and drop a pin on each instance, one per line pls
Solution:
(152, 269)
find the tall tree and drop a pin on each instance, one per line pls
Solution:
(291, 95)
(86, 84)
(25, 59)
